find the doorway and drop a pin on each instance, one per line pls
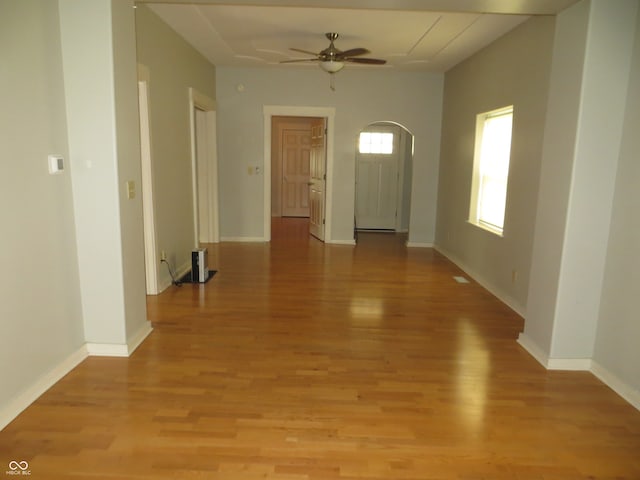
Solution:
(384, 157)
(290, 163)
(322, 187)
(298, 165)
(204, 169)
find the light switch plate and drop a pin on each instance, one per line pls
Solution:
(131, 189)
(56, 164)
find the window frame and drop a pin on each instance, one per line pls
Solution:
(477, 182)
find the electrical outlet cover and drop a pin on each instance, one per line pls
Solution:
(56, 164)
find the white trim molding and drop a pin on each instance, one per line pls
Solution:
(200, 101)
(627, 392)
(419, 245)
(509, 301)
(569, 364)
(135, 340)
(630, 394)
(341, 242)
(550, 363)
(244, 239)
(107, 350)
(120, 349)
(19, 403)
(532, 348)
(178, 274)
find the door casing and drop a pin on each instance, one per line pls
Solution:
(151, 260)
(199, 101)
(270, 111)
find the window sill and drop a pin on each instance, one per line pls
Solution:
(487, 228)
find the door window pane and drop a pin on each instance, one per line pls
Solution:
(376, 142)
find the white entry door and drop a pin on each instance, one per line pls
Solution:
(377, 179)
(317, 180)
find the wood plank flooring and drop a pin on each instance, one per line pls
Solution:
(305, 361)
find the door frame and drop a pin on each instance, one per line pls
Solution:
(199, 101)
(328, 113)
(151, 263)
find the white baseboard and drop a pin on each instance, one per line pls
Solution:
(183, 270)
(533, 349)
(243, 239)
(574, 364)
(163, 284)
(120, 349)
(107, 350)
(19, 403)
(630, 394)
(341, 242)
(419, 245)
(627, 392)
(509, 301)
(166, 281)
(138, 337)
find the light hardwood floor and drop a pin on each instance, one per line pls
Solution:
(304, 361)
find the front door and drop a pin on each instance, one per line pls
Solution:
(317, 181)
(377, 179)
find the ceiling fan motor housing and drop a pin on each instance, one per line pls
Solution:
(330, 53)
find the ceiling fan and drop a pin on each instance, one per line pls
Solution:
(332, 60)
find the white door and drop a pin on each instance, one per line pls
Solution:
(317, 182)
(377, 179)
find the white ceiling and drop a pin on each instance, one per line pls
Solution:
(426, 35)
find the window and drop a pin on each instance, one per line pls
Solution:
(491, 169)
(376, 142)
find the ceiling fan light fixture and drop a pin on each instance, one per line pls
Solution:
(331, 66)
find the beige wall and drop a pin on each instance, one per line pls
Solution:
(40, 307)
(514, 70)
(99, 71)
(128, 153)
(616, 348)
(174, 67)
(362, 97)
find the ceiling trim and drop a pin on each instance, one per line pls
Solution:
(520, 7)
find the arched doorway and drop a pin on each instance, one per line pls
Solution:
(384, 164)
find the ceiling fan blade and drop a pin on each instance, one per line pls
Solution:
(367, 61)
(354, 52)
(300, 60)
(304, 51)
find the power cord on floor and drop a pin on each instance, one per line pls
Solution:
(175, 282)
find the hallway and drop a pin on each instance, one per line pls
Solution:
(301, 360)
